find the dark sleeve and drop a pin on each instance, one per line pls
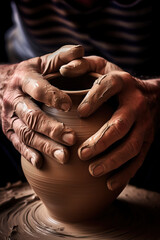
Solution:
(5, 23)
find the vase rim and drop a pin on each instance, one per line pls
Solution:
(77, 92)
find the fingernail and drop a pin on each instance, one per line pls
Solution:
(65, 107)
(85, 153)
(68, 138)
(36, 162)
(59, 155)
(115, 185)
(97, 170)
(112, 185)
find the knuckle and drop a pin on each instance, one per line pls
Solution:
(58, 129)
(38, 93)
(101, 64)
(7, 130)
(46, 147)
(134, 147)
(120, 127)
(26, 135)
(4, 122)
(17, 146)
(9, 135)
(33, 118)
(6, 100)
(111, 80)
(113, 83)
(7, 125)
(116, 78)
(126, 75)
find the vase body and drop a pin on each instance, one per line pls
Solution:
(68, 191)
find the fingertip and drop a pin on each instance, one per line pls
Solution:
(36, 159)
(97, 170)
(69, 138)
(75, 68)
(61, 156)
(65, 106)
(114, 185)
(65, 103)
(66, 70)
(62, 102)
(36, 162)
(32, 156)
(85, 153)
(84, 109)
(109, 186)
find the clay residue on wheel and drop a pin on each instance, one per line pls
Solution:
(134, 215)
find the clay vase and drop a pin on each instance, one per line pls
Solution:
(68, 191)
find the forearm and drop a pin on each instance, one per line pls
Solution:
(6, 71)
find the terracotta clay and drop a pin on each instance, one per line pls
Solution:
(68, 191)
(134, 215)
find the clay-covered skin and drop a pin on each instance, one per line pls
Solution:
(69, 192)
(133, 125)
(23, 88)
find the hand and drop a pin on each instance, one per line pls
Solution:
(24, 123)
(131, 127)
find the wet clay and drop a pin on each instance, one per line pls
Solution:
(134, 215)
(68, 191)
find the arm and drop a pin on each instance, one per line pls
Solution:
(22, 87)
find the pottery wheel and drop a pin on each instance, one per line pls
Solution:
(134, 215)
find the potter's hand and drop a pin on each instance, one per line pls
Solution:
(24, 123)
(132, 125)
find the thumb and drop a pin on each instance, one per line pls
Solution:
(84, 65)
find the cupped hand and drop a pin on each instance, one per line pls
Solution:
(131, 129)
(31, 130)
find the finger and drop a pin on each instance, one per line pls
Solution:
(125, 151)
(28, 153)
(104, 87)
(123, 176)
(37, 120)
(52, 62)
(40, 142)
(75, 68)
(115, 129)
(88, 64)
(41, 90)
